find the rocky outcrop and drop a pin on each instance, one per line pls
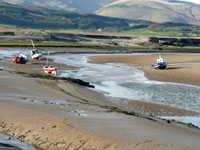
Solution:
(7, 33)
(175, 41)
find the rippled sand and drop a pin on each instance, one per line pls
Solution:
(58, 115)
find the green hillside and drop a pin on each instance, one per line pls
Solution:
(38, 17)
(42, 18)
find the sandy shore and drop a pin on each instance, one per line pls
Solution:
(60, 115)
(177, 71)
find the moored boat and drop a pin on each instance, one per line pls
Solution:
(21, 58)
(35, 53)
(49, 69)
(161, 63)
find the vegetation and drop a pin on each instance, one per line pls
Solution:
(144, 47)
(42, 18)
(7, 26)
(173, 32)
(54, 19)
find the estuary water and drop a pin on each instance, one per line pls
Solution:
(15, 143)
(123, 81)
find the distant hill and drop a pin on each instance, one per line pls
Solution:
(43, 18)
(86, 6)
(154, 10)
(38, 17)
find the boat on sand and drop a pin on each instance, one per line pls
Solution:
(21, 59)
(49, 69)
(35, 53)
(161, 63)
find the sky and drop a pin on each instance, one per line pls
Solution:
(194, 1)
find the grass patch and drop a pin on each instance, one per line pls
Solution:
(61, 125)
(7, 26)
(168, 33)
(20, 44)
(48, 44)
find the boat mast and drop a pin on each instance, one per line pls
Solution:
(33, 44)
(47, 59)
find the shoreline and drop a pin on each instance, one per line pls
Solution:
(57, 115)
(144, 63)
(175, 74)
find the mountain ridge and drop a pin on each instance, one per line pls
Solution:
(154, 10)
(83, 6)
(39, 17)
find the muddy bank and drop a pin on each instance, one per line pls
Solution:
(50, 77)
(56, 115)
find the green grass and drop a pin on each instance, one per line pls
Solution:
(72, 30)
(20, 44)
(144, 31)
(7, 26)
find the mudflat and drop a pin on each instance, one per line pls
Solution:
(59, 115)
(182, 68)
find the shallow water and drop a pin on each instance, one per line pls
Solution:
(194, 120)
(120, 80)
(14, 142)
(123, 81)
(11, 53)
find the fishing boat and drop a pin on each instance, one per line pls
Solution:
(49, 69)
(21, 59)
(161, 63)
(35, 53)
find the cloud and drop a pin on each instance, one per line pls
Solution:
(193, 1)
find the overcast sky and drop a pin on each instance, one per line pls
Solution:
(194, 1)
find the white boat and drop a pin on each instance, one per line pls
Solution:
(49, 69)
(161, 63)
(35, 53)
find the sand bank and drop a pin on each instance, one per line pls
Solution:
(178, 70)
(59, 115)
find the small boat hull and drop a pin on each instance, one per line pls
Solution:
(36, 56)
(21, 59)
(50, 70)
(160, 66)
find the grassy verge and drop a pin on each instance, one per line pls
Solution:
(21, 44)
(7, 26)
(57, 45)
(144, 48)
(170, 33)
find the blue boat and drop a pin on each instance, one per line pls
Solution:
(161, 63)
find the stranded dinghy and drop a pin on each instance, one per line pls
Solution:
(49, 69)
(161, 63)
(21, 59)
(35, 53)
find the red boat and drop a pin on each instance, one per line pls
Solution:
(50, 70)
(22, 59)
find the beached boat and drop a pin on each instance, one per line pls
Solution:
(161, 63)
(49, 69)
(35, 53)
(21, 58)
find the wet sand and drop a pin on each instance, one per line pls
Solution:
(59, 115)
(177, 71)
